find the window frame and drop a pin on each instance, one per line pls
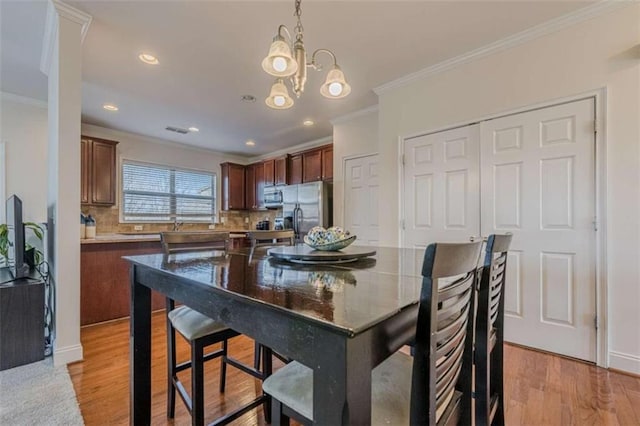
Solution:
(122, 217)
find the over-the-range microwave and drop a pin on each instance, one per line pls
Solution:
(272, 197)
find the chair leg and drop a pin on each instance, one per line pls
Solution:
(171, 366)
(197, 383)
(257, 350)
(267, 368)
(223, 366)
(279, 418)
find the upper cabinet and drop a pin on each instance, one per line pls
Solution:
(327, 163)
(254, 186)
(269, 172)
(233, 186)
(295, 169)
(280, 171)
(98, 171)
(312, 166)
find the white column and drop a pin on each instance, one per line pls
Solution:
(62, 61)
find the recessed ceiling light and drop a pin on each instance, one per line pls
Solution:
(110, 107)
(148, 58)
(194, 129)
(250, 143)
(248, 98)
(308, 122)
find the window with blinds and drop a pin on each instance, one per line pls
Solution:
(152, 193)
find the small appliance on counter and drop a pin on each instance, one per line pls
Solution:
(90, 227)
(263, 225)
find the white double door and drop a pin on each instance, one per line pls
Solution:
(531, 174)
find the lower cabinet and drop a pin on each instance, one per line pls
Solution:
(104, 280)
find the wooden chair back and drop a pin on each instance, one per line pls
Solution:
(490, 333)
(442, 366)
(182, 242)
(271, 238)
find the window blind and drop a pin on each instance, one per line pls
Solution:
(153, 193)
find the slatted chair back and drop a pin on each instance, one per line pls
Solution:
(442, 366)
(271, 238)
(183, 242)
(490, 333)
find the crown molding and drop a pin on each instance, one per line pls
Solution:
(354, 115)
(292, 149)
(23, 100)
(541, 30)
(56, 7)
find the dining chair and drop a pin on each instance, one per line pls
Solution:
(433, 387)
(267, 239)
(489, 333)
(200, 331)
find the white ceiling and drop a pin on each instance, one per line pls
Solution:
(210, 54)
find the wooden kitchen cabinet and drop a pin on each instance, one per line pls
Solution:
(327, 163)
(259, 171)
(280, 171)
(269, 172)
(295, 169)
(312, 166)
(98, 171)
(233, 186)
(254, 186)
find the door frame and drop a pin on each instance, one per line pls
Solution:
(599, 97)
(344, 179)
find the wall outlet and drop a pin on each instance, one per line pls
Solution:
(246, 220)
(138, 227)
(212, 226)
(223, 219)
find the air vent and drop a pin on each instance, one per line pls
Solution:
(177, 130)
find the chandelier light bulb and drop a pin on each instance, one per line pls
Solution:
(279, 63)
(279, 100)
(335, 88)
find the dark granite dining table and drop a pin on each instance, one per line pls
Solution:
(340, 320)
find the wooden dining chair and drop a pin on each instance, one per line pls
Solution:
(433, 387)
(489, 394)
(200, 331)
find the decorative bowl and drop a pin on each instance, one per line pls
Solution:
(330, 246)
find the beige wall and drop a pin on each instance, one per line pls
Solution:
(603, 52)
(355, 136)
(23, 129)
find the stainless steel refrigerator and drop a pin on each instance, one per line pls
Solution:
(307, 205)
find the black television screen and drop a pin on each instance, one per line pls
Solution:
(15, 228)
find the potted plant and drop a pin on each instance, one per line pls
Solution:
(4, 241)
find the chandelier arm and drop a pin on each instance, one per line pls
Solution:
(313, 62)
(284, 28)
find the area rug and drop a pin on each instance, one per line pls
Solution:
(38, 394)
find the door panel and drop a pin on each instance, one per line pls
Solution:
(538, 182)
(441, 187)
(361, 199)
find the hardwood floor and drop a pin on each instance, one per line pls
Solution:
(540, 388)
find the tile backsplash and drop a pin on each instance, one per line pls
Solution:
(108, 221)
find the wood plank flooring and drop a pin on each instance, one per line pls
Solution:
(540, 388)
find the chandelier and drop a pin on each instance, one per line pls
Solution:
(282, 64)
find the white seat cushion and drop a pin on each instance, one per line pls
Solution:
(390, 394)
(192, 324)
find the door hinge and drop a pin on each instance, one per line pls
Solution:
(402, 159)
(595, 322)
(402, 224)
(595, 224)
(595, 126)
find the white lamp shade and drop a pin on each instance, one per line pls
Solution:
(279, 62)
(335, 86)
(279, 96)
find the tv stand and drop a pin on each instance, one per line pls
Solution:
(21, 320)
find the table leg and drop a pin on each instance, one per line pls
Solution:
(342, 385)
(140, 352)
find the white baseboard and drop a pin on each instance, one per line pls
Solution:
(66, 355)
(624, 362)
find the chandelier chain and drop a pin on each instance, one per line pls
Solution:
(298, 13)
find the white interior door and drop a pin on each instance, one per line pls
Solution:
(441, 187)
(538, 182)
(361, 199)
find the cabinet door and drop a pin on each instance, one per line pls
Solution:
(250, 187)
(269, 172)
(259, 171)
(85, 171)
(232, 186)
(280, 171)
(295, 169)
(103, 172)
(327, 163)
(312, 166)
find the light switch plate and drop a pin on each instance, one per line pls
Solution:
(246, 220)
(223, 219)
(138, 227)
(212, 226)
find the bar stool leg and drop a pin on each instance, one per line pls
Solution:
(223, 366)
(267, 368)
(197, 384)
(171, 367)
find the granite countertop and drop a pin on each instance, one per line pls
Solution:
(146, 237)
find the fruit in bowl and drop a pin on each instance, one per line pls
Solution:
(332, 239)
